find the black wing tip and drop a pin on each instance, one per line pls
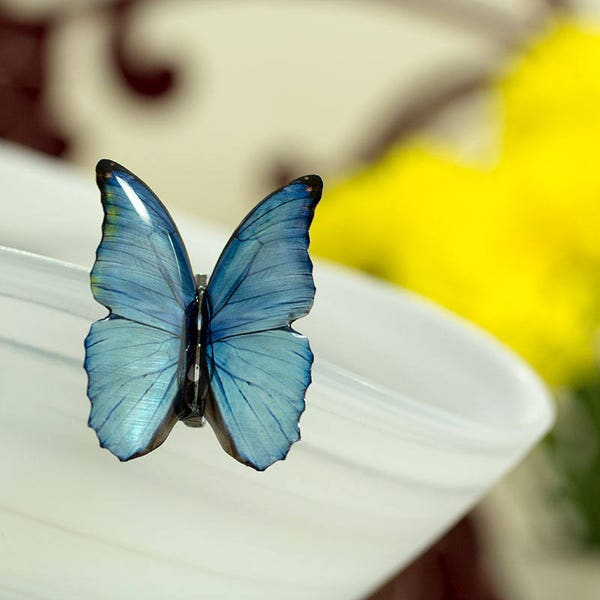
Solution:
(314, 185)
(105, 168)
(105, 165)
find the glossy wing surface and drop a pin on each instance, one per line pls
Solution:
(142, 271)
(133, 384)
(263, 279)
(258, 386)
(142, 274)
(258, 366)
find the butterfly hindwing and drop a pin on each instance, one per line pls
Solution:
(257, 366)
(133, 381)
(134, 356)
(257, 393)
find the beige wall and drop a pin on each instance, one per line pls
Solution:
(261, 82)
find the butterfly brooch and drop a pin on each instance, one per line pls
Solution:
(178, 347)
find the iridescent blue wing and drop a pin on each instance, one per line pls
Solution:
(133, 384)
(134, 357)
(258, 367)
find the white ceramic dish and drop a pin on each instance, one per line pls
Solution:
(412, 415)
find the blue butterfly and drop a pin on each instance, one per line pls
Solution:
(175, 347)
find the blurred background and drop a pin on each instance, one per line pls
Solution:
(458, 143)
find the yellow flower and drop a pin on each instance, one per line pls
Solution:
(514, 246)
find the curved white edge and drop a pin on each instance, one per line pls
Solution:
(542, 411)
(65, 287)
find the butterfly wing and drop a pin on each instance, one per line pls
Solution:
(258, 367)
(133, 357)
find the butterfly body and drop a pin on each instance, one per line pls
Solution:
(178, 347)
(193, 395)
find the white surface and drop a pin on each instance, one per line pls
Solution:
(412, 415)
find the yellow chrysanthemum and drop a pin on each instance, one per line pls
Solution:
(515, 246)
